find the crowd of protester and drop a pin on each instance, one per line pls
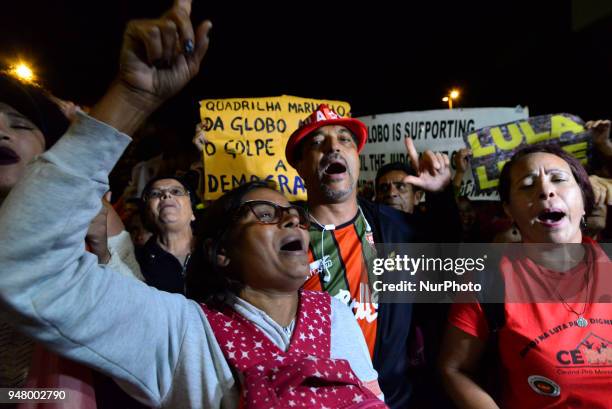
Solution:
(159, 300)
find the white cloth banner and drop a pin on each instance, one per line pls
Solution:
(439, 130)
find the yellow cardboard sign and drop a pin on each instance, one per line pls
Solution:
(493, 146)
(246, 140)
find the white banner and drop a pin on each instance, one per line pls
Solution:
(439, 130)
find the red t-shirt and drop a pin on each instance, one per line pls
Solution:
(547, 360)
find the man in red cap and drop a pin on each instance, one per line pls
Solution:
(325, 151)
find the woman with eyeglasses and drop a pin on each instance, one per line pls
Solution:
(167, 211)
(255, 259)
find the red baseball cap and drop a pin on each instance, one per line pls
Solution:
(321, 117)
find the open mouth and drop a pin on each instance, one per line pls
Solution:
(292, 245)
(8, 156)
(551, 216)
(393, 203)
(335, 168)
(166, 205)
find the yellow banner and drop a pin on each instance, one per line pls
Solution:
(493, 146)
(246, 140)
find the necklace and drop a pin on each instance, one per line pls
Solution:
(581, 321)
(323, 266)
(321, 225)
(333, 226)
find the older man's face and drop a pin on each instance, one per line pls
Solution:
(392, 191)
(329, 164)
(169, 206)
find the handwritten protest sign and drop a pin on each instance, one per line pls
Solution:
(246, 141)
(439, 130)
(493, 146)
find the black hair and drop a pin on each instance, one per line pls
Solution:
(390, 167)
(34, 103)
(206, 281)
(580, 174)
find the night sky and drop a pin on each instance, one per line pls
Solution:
(379, 56)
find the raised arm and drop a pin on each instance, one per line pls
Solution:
(158, 58)
(433, 176)
(55, 291)
(461, 167)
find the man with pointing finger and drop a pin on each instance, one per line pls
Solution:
(325, 151)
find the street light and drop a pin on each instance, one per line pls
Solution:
(22, 71)
(454, 94)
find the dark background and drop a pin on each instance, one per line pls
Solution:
(553, 56)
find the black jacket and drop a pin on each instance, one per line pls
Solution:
(441, 223)
(161, 269)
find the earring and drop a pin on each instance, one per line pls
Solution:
(583, 223)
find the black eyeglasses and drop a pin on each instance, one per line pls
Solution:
(268, 212)
(386, 187)
(159, 193)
